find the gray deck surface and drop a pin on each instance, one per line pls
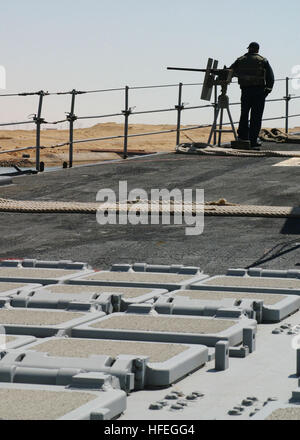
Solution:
(254, 282)
(34, 273)
(82, 348)
(39, 405)
(128, 292)
(6, 339)
(268, 372)
(137, 277)
(225, 242)
(163, 324)
(285, 414)
(5, 287)
(66, 288)
(34, 317)
(268, 298)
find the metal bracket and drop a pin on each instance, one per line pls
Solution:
(71, 117)
(128, 112)
(38, 120)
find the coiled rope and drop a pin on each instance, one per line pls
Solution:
(222, 151)
(277, 135)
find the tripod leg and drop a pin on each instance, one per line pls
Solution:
(221, 126)
(214, 126)
(231, 122)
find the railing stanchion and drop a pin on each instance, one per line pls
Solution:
(38, 121)
(126, 113)
(287, 99)
(179, 109)
(71, 118)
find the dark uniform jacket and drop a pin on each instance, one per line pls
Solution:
(253, 70)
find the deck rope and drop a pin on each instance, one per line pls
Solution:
(219, 208)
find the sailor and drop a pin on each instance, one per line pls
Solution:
(256, 79)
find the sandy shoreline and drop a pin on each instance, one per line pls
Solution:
(93, 151)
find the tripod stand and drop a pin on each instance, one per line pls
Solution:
(223, 104)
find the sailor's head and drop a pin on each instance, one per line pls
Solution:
(253, 47)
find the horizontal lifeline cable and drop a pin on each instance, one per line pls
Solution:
(112, 89)
(165, 110)
(121, 114)
(82, 141)
(56, 122)
(162, 110)
(144, 112)
(25, 94)
(130, 135)
(19, 149)
(170, 109)
(16, 123)
(84, 92)
(100, 116)
(103, 139)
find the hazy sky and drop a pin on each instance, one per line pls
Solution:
(86, 44)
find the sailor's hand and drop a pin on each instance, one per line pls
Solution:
(267, 91)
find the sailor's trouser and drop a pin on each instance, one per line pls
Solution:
(253, 99)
